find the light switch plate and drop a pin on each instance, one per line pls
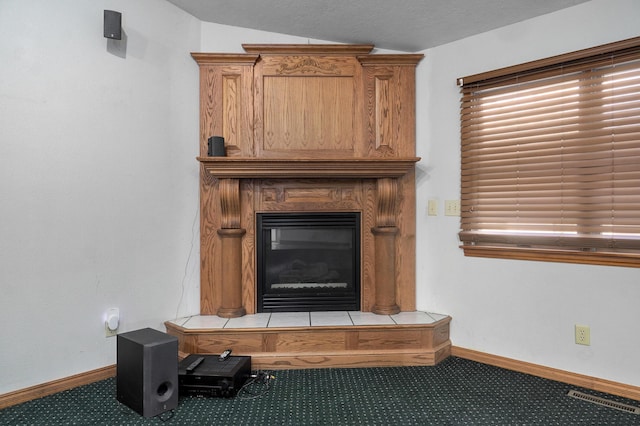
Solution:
(432, 208)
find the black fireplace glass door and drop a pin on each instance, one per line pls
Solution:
(308, 261)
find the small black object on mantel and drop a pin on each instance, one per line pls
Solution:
(216, 147)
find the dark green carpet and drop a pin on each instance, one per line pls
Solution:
(455, 392)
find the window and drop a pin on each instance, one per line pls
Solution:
(551, 158)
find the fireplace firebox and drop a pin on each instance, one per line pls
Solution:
(308, 261)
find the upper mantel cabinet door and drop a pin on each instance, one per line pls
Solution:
(308, 106)
(389, 104)
(226, 101)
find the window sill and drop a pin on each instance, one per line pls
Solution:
(549, 255)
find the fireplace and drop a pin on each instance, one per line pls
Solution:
(310, 132)
(308, 129)
(308, 261)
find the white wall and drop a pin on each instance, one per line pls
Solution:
(227, 39)
(519, 309)
(98, 180)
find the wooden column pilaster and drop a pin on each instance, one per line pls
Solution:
(384, 234)
(231, 238)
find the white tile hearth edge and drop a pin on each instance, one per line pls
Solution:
(306, 319)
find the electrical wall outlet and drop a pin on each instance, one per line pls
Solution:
(583, 335)
(108, 332)
(452, 207)
(111, 322)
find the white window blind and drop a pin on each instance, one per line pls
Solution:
(551, 153)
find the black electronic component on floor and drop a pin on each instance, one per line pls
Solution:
(209, 375)
(147, 373)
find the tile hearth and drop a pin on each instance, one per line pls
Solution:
(285, 340)
(306, 319)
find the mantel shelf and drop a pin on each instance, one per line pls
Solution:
(354, 168)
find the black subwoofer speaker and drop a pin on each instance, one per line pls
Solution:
(147, 371)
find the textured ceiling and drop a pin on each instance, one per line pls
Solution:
(404, 25)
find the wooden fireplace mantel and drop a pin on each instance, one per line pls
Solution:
(307, 128)
(271, 168)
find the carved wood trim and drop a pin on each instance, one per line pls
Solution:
(306, 65)
(230, 203)
(387, 194)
